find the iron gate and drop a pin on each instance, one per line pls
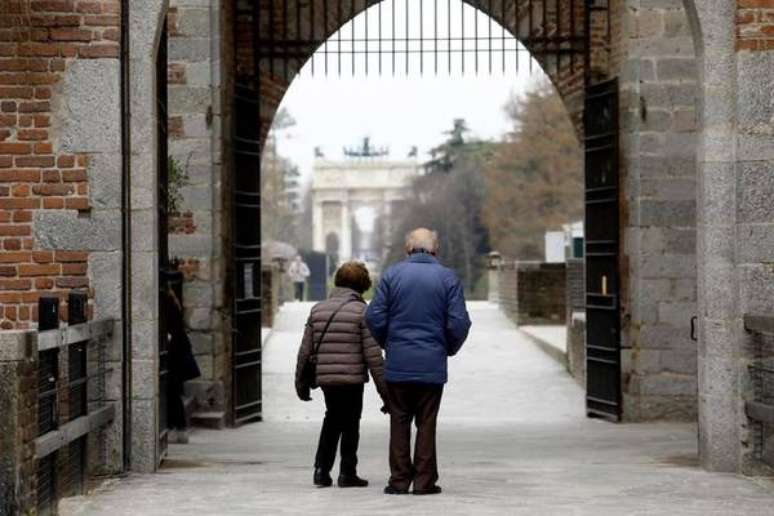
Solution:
(245, 200)
(603, 335)
(246, 253)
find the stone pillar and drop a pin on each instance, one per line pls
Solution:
(145, 18)
(719, 327)
(386, 226)
(18, 423)
(493, 281)
(346, 230)
(318, 229)
(753, 247)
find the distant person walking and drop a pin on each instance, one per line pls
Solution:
(342, 352)
(418, 316)
(298, 272)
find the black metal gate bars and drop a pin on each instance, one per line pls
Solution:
(275, 39)
(163, 235)
(409, 36)
(603, 370)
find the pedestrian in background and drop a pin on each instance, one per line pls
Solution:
(418, 316)
(181, 367)
(298, 272)
(342, 350)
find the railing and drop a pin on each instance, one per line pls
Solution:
(72, 369)
(761, 408)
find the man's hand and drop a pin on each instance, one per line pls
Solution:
(385, 409)
(304, 393)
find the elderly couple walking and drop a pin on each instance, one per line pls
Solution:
(418, 317)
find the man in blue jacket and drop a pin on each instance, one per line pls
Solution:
(418, 316)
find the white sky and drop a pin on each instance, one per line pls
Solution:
(402, 111)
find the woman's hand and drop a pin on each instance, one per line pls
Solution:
(303, 392)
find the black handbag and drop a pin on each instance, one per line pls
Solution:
(309, 372)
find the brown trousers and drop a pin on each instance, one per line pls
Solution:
(419, 403)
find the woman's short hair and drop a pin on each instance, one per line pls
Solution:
(353, 275)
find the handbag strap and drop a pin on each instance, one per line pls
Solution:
(327, 325)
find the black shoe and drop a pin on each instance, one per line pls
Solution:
(322, 478)
(352, 481)
(430, 491)
(390, 490)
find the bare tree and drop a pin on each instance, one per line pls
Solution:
(534, 180)
(280, 203)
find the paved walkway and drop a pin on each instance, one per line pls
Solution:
(513, 439)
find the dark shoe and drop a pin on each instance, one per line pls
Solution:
(352, 481)
(322, 478)
(390, 490)
(431, 491)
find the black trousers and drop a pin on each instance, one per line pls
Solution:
(419, 403)
(343, 407)
(175, 409)
(299, 290)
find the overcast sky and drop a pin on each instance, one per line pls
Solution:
(403, 111)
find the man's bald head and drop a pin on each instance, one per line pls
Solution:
(422, 239)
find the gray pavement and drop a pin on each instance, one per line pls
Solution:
(513, 439)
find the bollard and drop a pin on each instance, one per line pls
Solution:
(48, 313)
(77, 301)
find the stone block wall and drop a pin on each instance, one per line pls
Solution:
(658, 100)
(59, 148)
(749, 246)
(195, 128)
(534, 293)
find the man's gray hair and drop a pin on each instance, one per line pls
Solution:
(422, 238)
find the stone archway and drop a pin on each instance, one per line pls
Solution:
(658, 92)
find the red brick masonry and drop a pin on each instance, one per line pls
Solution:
(755, 25)
(38, 39)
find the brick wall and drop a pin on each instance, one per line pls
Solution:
(755, 25)
(534, 293)
(39, 39)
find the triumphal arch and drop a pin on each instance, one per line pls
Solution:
(357, 199)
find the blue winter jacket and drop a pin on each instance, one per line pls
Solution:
(418, 316)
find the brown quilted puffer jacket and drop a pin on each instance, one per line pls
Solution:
(348, 351)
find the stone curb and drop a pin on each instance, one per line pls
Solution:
(547, 347)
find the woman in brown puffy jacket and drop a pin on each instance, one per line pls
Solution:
(345, 355)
